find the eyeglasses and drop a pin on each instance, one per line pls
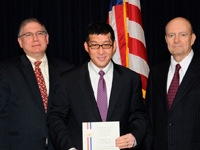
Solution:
(97, 46)
(30, 35)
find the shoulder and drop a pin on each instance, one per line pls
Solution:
(60, 64)
(124, 70)
(195, 59)
(75, 71)
(10, 62)
(160, 66)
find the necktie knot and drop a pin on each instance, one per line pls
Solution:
(178, 67)
(101, 73)
(37, 63)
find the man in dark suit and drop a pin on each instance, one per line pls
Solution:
(175, 125)
(22, 112)
(76, 95)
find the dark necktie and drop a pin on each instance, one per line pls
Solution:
(41, 84)
(102, 97)
(173, 86)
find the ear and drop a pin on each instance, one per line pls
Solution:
(47, 38)
(193, 39)
(165, 38)
(86, 46)
(20, 42)
(114, 47)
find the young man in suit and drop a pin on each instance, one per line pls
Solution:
(175, 114)
(22, 111)
(76, 95)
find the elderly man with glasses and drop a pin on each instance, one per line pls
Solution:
(26, 90)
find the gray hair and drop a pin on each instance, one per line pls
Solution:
(26, 21)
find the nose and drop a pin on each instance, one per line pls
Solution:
(35, 38)
(176, 39)
(101, 50)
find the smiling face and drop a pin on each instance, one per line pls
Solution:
(179, 38)
(35, 45)
(100, 57)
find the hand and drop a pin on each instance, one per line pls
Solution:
(125, 141)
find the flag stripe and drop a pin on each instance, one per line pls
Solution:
(137, 48)
(111, 19)
(144, 80)
(136, 16)
(136, 31)
(120, 33)
(139, 65)
(135, 2)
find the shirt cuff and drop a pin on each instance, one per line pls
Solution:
(72, 148)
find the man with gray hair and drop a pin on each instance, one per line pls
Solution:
(26, 90)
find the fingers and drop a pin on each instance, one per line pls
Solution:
(125, 141)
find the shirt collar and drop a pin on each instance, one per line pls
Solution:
(184, 63)
(43, 60)
(96, 70)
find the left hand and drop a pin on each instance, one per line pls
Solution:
(125, 141)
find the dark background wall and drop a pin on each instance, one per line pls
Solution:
(66, 21)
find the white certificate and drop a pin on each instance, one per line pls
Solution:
(100, 135)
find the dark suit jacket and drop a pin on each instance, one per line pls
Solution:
(179, 127)
(75, 103)
(22, 117)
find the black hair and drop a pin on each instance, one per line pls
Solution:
(99, 28)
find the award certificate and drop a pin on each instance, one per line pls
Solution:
(100, 135)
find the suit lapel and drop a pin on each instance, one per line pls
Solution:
(189, 79)
(29, 74)
(86, 87)
(116, 89)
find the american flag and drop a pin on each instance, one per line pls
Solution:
(125, 18)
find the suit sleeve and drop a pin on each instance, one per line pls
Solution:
(149, 135)
(138, 116)
(4, 107)
(57, 119)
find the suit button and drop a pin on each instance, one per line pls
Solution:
(169, 124)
